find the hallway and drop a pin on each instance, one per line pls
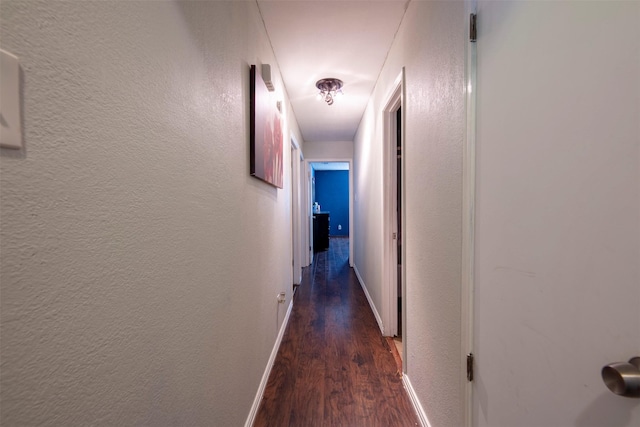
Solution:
(145, 273)
(334, 367)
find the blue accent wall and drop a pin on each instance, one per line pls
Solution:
(332, 193)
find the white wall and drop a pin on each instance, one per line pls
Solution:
(331, 150)
(140, 261)
(430, 45)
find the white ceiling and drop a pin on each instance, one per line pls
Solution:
(315, 39)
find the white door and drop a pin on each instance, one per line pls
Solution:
(557, 267)
(295, 215)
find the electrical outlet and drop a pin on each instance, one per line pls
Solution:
(339, 226)
(281, 297)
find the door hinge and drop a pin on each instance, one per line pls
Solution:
(470, 367)
(473, 31)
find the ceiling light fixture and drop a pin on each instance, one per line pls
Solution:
(329, 89)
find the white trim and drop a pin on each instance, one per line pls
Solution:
(393, 101)
(371, 304)
(305, 256)
(296, 253)
(302, 188)
(352, 229)
(422, 416)
(308, 215)
(468, 216)
(351, 198)
(294, 141)
(265, 376)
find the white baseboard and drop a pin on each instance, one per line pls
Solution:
(265, 377)
(371, 304)
(422, 416)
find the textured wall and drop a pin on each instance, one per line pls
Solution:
(367, 198)
(331, 150)
(430, 45)
(140, 261)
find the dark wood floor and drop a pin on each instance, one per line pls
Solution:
(333, 367)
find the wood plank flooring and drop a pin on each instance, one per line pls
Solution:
(333, 367)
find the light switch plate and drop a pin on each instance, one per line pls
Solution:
(10, 123)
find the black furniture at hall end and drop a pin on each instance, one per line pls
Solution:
(320, 231)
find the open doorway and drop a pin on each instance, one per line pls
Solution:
(393, 307)
(296, 235)
(398, 220)
(331, 204)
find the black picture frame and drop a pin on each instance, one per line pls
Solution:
(266, 137)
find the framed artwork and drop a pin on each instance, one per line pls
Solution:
(265, 134)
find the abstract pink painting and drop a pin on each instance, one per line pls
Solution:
(265, 134)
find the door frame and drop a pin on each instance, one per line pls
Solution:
(307, 169)
(394, 100)
(305, 242)
(296, 235)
